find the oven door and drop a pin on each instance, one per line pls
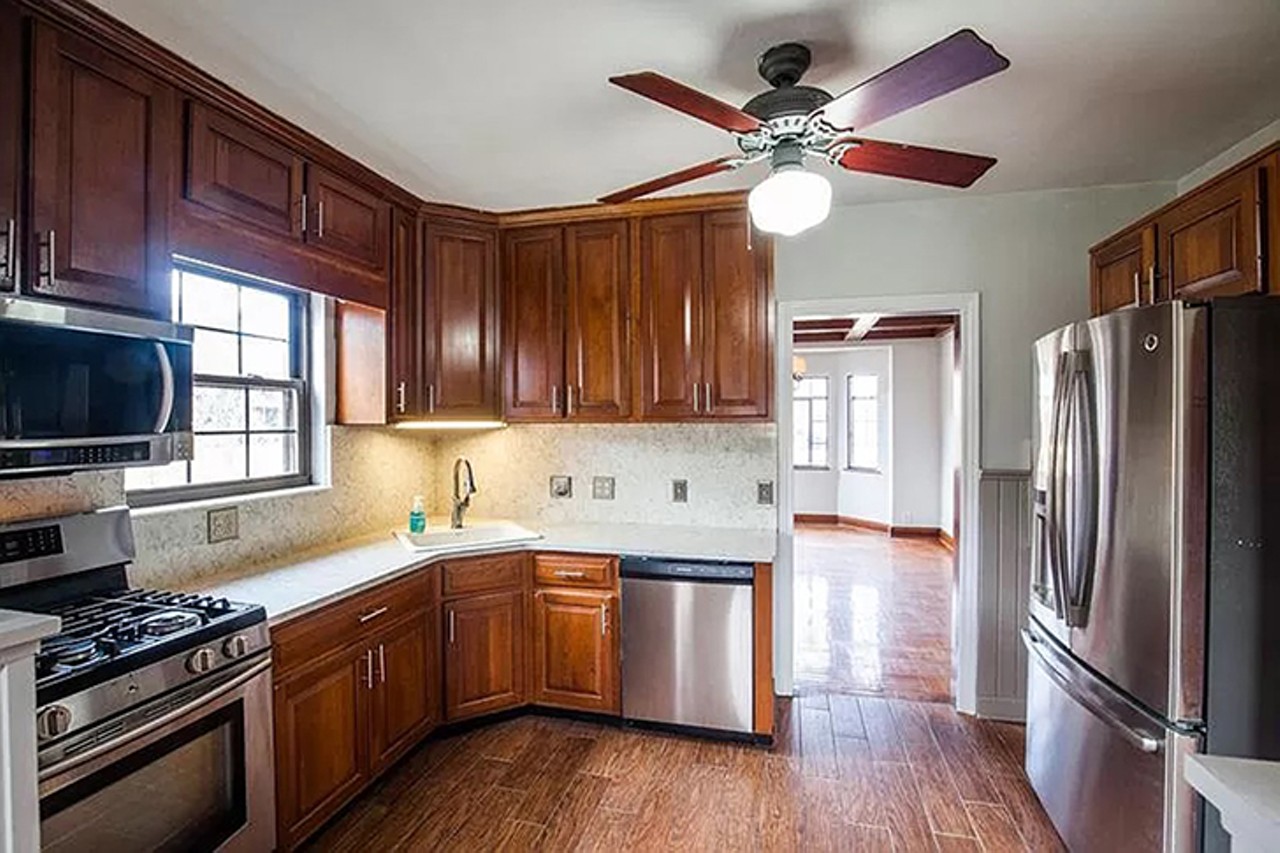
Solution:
(199, 777)
(87, 389)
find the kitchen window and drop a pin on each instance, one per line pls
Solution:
(864, 422)
(810, 403)
(251, 398)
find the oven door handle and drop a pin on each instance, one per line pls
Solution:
(167, 392)
(159, 722)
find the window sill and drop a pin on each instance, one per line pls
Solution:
(196, 504)
(812, 467)
(854, 470)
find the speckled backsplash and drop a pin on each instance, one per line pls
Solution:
(722, 462)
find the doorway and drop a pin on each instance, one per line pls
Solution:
(876, 589)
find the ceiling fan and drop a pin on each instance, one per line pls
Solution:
(792, 121)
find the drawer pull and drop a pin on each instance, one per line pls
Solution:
(371, 615)
(565, 573)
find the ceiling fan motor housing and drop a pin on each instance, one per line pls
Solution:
(782, 66)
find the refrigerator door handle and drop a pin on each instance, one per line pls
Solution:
(1081, 415)
(1044, 657)
(1056, 490)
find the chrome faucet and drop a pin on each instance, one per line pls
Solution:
(464, 486)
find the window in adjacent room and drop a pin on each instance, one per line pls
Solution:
(864, 422)
(251, 399)
(810, 418)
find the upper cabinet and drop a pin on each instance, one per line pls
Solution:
(101, 162)
(1207, 243)
(346, 219)
(706, 309)
(404, 321)
(567, 337)
(10, 142)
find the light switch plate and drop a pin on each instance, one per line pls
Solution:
(680, 491)
(764, 492)
(561, 486)
(224, 524)
(602, 488)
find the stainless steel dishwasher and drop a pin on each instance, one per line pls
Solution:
(687, 643)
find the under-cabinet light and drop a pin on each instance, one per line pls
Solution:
(446, 425)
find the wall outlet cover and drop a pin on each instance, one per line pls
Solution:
(602, 488)
(561, 486)
(680, 491)
(224, 524)
(764, 492)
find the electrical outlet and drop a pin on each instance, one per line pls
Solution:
(224, 524)
(764, 492)
(680, 491)
(561, 486)
(602, 488)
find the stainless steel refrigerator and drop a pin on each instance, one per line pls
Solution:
(1154, 627)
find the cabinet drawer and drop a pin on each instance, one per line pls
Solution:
(482, 574)
(334, 626)
(588, 570)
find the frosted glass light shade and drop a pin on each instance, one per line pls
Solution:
(789, 201)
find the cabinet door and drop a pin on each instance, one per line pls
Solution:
(1209, 243)
(10, 141)
(405, 394)
(484, 654)
(1123, 271)
(533, 343)
(405, 697)
(237, 171)
(575, 650)
(737, 313)
(101, 143)
(670, 315)
(322, 741)
(598, 295)
(460, 283)
(346, 219)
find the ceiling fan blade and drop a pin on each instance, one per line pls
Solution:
(931, 165)
(680, 97)
(958, 60)
(702, 170)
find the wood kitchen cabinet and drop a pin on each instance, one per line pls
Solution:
(345, 219)
(405, 400)
(567, 307)
(11, 63)
(405, 697)
(460, 319)
(484, 657)
(1122, 271)
(576, 650)
(101, 161)
(706, 318)
(1209, 241)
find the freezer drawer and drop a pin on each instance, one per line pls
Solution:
(1107, 773)
(687, 653)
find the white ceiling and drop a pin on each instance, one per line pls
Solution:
(504, 104)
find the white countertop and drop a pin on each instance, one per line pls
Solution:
(1247, 794)
(302, 582)
(18, 629)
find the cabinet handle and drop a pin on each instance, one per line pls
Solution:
(400, 392)
(697, 386)
(320, 218)
(382, 664)
(451, 625)
(555, 399)
(368, 668)
(304, 213)
(10, 249)
(568, 401)
(431, 398)
(568, 574)
(372, 614)
(1151, 283)
(604, 619)
(49, 245)
(1137, 288)
(707, 399)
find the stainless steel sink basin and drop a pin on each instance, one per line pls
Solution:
(443, 540)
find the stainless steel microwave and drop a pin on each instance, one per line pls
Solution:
(84, 389)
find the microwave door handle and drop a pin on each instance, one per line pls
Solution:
(167, 392)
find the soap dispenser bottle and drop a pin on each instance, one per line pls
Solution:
(417, 516)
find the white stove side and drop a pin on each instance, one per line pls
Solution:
(20, 635)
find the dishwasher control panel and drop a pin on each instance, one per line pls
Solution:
(706, 571)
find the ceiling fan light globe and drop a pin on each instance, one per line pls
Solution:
(792, 199)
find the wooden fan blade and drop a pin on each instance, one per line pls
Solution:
(956, 61)
(931, 165)
(702, 170)
(691, 102)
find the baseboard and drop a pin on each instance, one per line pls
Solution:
(946, 540)
(902, 531)
(815, 518)
(1002, 708)
(863, 524)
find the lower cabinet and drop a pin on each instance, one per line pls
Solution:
(484, 657)
(405, 699)
(575, 650)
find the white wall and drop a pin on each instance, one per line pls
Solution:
(1242, 150)
(917, 434)
(949, 426)
(1025, 253)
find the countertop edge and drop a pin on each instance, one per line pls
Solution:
(1231, 785)
(19, 629)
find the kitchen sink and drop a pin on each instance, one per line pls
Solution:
(443, 540)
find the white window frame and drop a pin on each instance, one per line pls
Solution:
(853, 424)
(810, 465)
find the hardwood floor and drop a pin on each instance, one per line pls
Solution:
(873, 614)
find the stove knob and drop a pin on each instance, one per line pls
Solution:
(236, 647)
(201, 661)
(53, 721)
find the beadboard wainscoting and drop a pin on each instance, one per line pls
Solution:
(1005, 528)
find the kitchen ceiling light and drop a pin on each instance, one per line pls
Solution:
(792, 199)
